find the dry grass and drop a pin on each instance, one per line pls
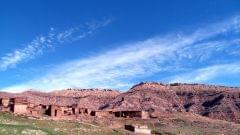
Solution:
(16, 125)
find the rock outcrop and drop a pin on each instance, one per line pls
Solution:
(216, 102)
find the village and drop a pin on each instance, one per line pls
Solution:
(21, 106)
(75, 112)
(146, 108)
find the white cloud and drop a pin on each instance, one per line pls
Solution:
(207, 73)
(30, 51)
(116, 68)
(40, 44)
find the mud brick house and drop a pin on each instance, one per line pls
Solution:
(70, 112)
(5, 104)
(131, 114)
(104, 114)
(39, 110)
(127, 114)
(20, 106)
(55, 111)
(63, 111)
(34, 111)
(126, 110)
(84, 111)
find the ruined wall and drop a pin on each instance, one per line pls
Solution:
(20, 109)
(55, 111)
(34, 113)
(5, 102)
(145, 115)
(101, 114)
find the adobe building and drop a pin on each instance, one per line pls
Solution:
(5, 104)
(39, 110)
(33, 109)
(103, 114)
(55, 111)
(131, 114)
(67, 112)
(84, 111)
(20, 106)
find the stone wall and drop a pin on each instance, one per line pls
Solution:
(20, 108)
(145, 115)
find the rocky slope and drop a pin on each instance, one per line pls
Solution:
(89, 98)
(85, 92)
(207, 100)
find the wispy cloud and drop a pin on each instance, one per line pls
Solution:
(117, 68)
(207, 73)
(42, 43)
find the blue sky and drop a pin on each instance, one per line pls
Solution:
(48, 45)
